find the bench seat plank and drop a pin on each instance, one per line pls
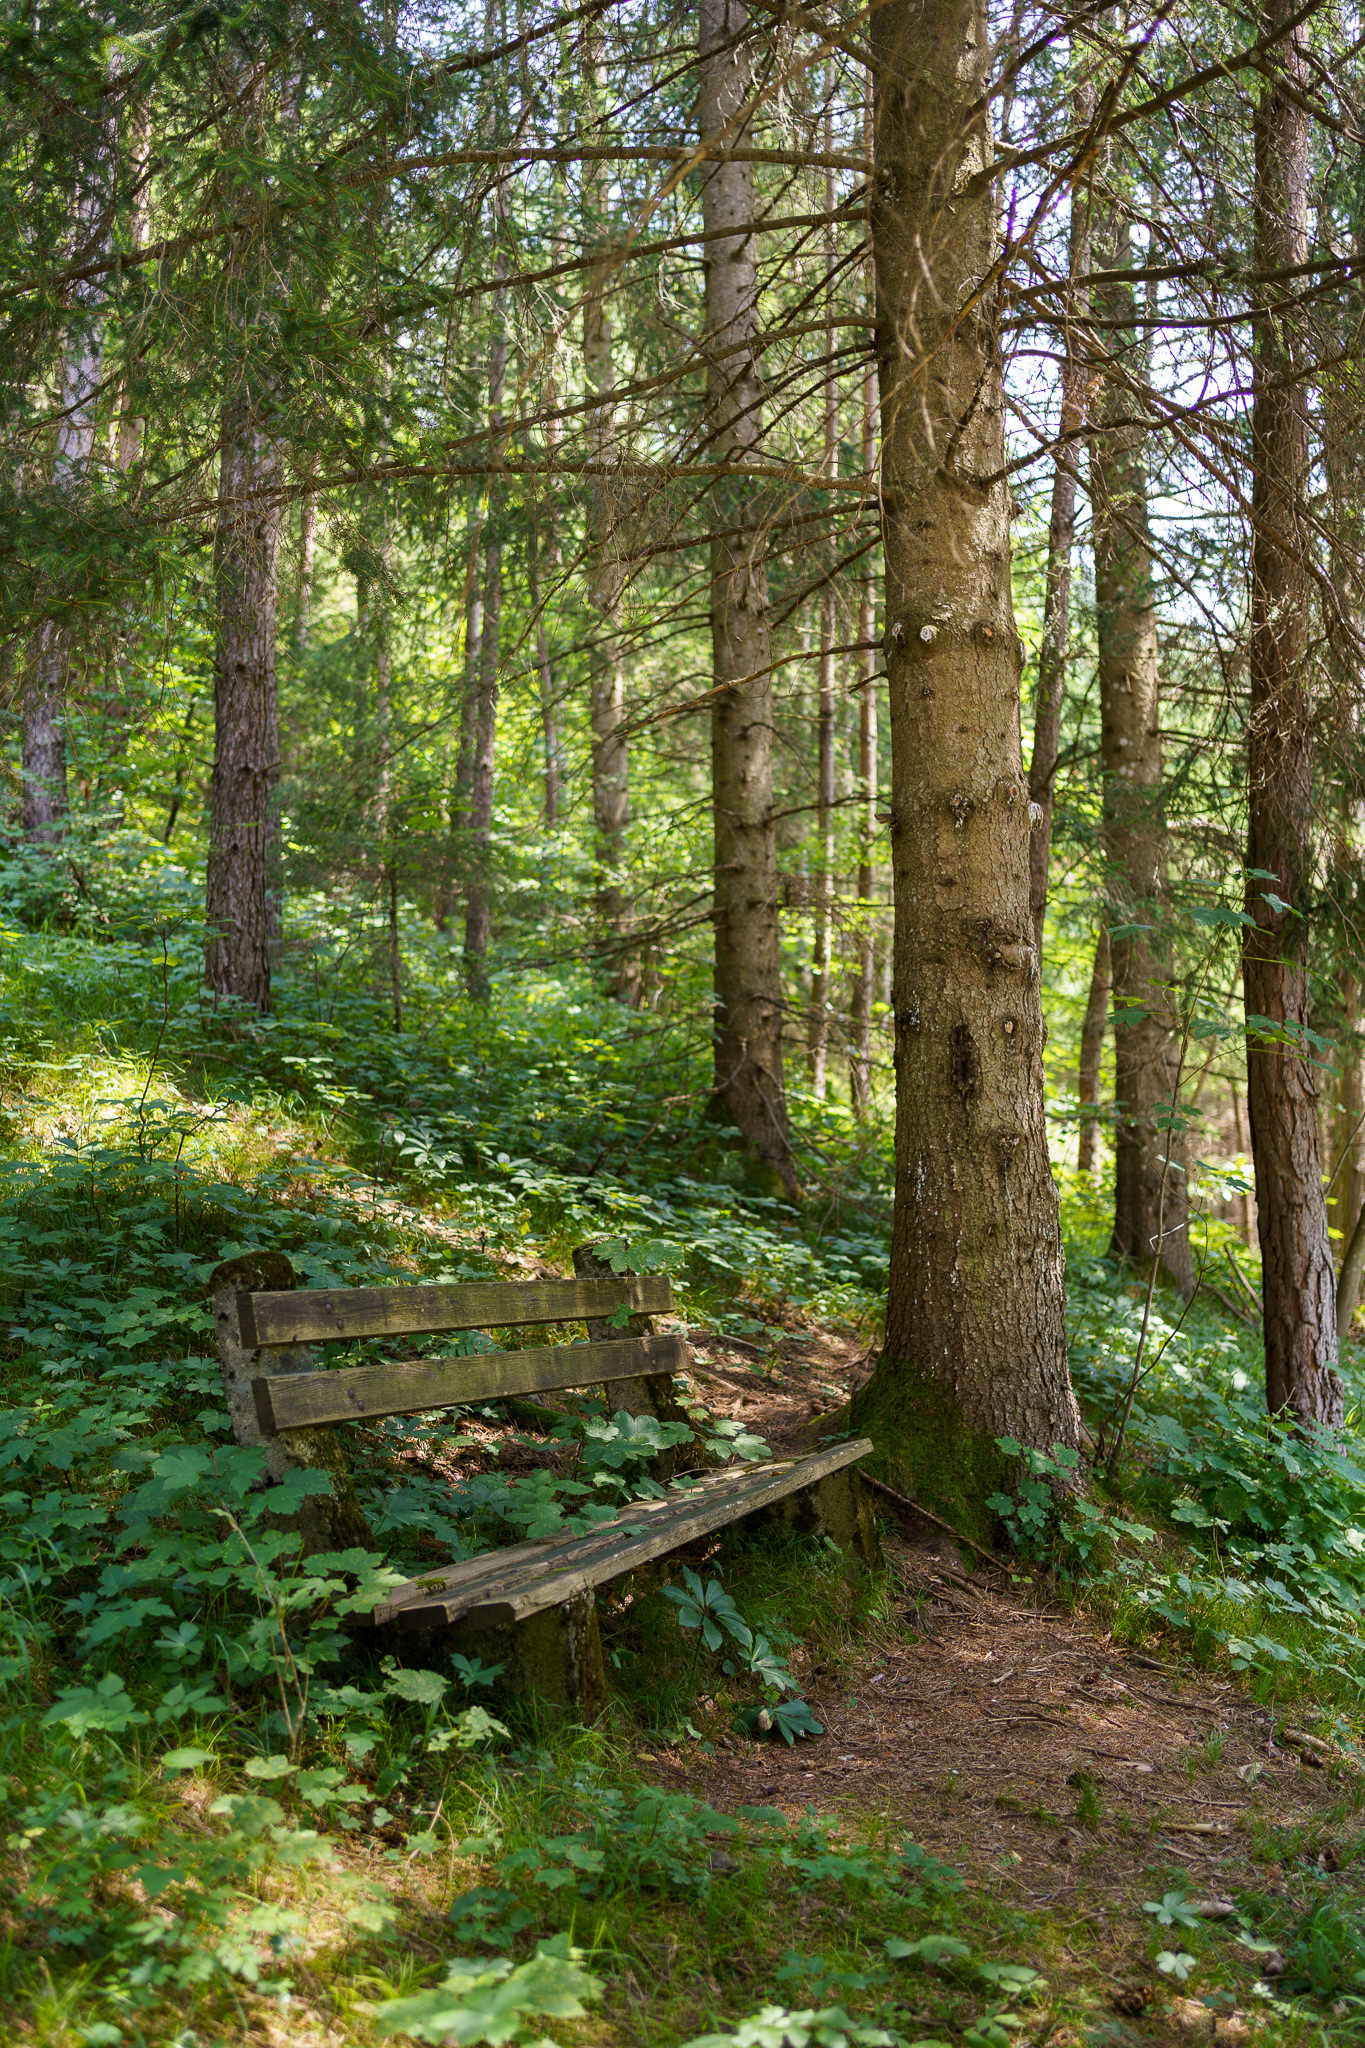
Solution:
(306, 1400)
(319, 1315)
(473, 1576)
(512, 1585)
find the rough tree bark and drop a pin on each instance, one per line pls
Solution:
(1151, 1185)
(245, 711)
(1296, 1261)
(975, 1345)
(748, 1088)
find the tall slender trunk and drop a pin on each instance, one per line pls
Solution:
(478, 897)
(1151, 1187)
(817, 1028)
(817, 1033)
(1092, 1051)
(245, 712)
(54, 646)
(1297, 1281)
(478, 900)
(469, 685)
(975, 1343)
(136, 152)
(308, 548)
(549, 720)
(455, 866)
(864, 993)
(1340, 397)
(1061, 534)
(606, 581)
(749, 1090)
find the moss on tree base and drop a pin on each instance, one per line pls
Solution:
(926, 1450)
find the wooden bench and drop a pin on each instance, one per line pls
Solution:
(529, 1607)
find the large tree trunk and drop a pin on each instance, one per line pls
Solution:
(1061, 535)
(1296, 1261)
(975, 1343)
(1151, 1185)
(246, 725)
(749, 1090)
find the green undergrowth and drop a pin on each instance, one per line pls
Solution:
(229, 1816)
(1204, 1527)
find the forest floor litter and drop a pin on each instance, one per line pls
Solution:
(1012, 1737)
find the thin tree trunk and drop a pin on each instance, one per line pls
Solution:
(817, 1034)
(549, 725)
(860, 1060)
(817, 1031)
(136, 154)
(1341, 397)
(749, 1090)
(975, 1342)
(1092, 1051)
(48, 673)
(1151, 1187)
(469, 692)
(450, 885)
(1297, 1281)
(606, 581)
(478, 898)
(246, 734)
(308, 544)
(1061, 534)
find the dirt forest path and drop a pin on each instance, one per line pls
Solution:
(1061, 1772)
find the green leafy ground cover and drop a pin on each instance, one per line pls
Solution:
(227, 1818)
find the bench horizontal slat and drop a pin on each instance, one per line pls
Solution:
(514, 1584)
(479, 1579)
(317, 1315)
(304, 1400)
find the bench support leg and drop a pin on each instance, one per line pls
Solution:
(839, 1507)
(555, 1657)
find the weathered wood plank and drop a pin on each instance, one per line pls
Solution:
(303, 1400)
(317, 1315)
(520, 1583)
(474, 1576)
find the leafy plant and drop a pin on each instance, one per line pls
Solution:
(831, 2027)
(1172, 1909)
(495, 2000)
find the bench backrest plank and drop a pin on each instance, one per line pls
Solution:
(317, 1315)
(303, 1400)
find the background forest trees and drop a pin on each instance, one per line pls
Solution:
(448, 545)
